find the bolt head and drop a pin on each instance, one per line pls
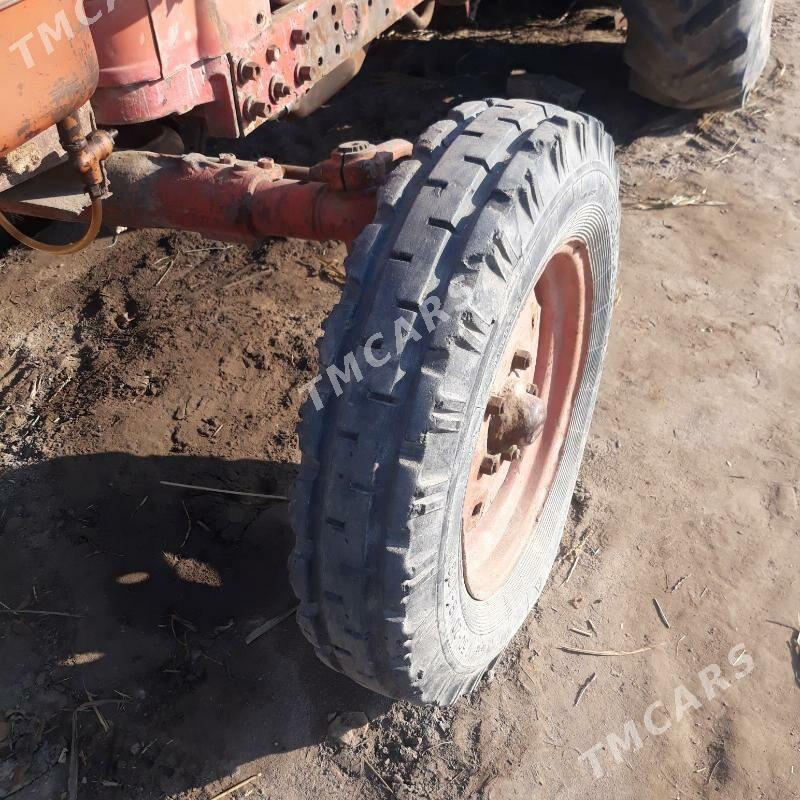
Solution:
(227, 158)
(495, 406)
(300, 36)
(266, 163)
(512, 454)
(306, 73)
(522, 360)
(253, 109)
(248, 70)
(279, 89)
(273, 54)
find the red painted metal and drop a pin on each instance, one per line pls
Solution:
(360, 165)
(236, 65)
(87, 150)
(222, 198)
(124, 41)
(158, 59)
(49, 67)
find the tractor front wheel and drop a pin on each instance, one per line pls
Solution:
(460, 371)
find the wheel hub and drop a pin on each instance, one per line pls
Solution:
(518, 422)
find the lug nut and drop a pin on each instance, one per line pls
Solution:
(300, 36)
(495, 406)
(227, 158)
(273, 54)
(253, 109)
(522, 360)
(306, 73)
(248, 70)
(490, 465)
(533, 389)
(280, 89)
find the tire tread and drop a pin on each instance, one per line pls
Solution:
(697, 54)
(382, 638)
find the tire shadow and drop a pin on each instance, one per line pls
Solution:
(409, 83)
(168, 584)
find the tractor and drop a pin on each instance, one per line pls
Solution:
(442, 438)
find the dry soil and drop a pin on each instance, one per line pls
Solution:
(166, 357)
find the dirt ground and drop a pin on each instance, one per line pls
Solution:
(165, 357)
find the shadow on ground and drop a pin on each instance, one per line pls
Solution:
(407, 84)
(168, 583)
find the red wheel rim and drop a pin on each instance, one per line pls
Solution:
(527, 417)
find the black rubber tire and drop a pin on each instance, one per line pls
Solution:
(419, 18)
(470, 219)
(697, 54)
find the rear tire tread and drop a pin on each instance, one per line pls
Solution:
(697, 55)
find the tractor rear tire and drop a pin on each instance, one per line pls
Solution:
(697, 54)
(464, 231)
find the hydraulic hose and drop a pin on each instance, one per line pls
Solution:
(62, 249)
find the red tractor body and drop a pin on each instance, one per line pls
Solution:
(234, 65)
(227, 68)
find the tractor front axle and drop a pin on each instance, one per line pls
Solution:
(223, 197)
